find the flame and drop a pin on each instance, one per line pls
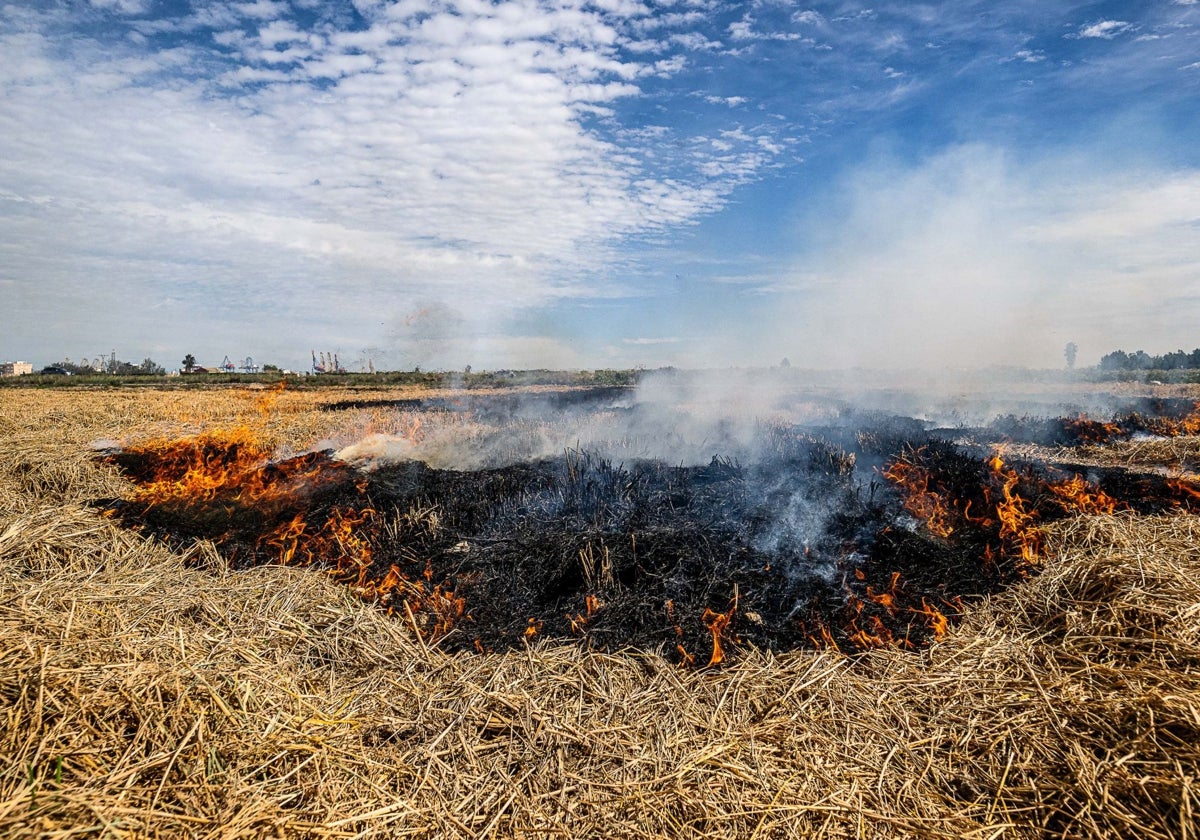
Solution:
(935, 619)
(227, 477)
(1018, 532)
(875, 635)
(231, 466)
(1087, 430)
(1189, 425)
(821, 638)
(887, 599)
(925, 504)
(591, 605)
(717, 623)
(1186, 489)
(1076, 494)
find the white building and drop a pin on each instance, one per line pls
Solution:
(15, 368)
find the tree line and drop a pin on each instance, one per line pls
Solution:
(1141, 360)
(111, 366)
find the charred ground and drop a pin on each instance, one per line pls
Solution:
(855, 535)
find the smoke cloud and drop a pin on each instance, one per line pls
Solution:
(970, 259)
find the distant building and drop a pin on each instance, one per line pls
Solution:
(15, 368)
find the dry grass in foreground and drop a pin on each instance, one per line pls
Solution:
(149, 693)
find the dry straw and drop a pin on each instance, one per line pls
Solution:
(150, 693)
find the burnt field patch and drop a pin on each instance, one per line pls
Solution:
(847, 539)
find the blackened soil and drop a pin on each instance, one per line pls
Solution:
(796, 550)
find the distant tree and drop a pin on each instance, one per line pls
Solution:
(1069, 353)
(1172, 361)
(1116, 360)
(189, 363)
(467, 370)
(1141, 360)
(270, 368)
(149, 367)
(786, 363)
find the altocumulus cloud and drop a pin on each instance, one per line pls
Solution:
(463, 150)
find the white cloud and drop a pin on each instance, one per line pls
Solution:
(261, 9)
(891, 42)
(125, 7)
(742, 30)
(280, 32)
(437, 153)
(745, 30)
(695, 41)
(1106, 29)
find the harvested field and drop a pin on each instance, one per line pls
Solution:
(150, 690)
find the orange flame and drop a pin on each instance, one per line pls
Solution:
(1087, 430)
(1017, 529)
(228, 474)
(1076, 494)
(231, 465)
(875, 635)
(716, 623)
(887, 599)
(935, 619)
(1189, 425)
(925, 504)
(1184, 488)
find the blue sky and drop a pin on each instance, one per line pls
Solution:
(616, 183)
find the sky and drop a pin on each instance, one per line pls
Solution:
(616, 183)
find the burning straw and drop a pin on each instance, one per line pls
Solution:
(152, 691)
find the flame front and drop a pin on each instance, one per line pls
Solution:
(1086, 430)
(226, 484)
(1167, 427)
(949, 498)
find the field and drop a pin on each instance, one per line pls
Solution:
(150, 691)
